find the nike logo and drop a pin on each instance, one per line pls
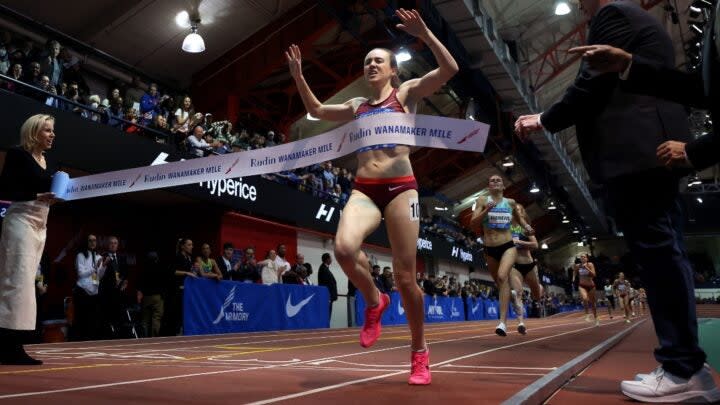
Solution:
(475, 307)
(401, 310)
(292, 310)
(391, 189)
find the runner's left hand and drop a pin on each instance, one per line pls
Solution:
(412, 23)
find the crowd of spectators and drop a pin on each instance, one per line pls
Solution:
(449, 230)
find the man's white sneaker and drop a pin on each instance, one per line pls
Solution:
(663, 386)
(652, 374)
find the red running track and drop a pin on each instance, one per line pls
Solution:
(469, 364)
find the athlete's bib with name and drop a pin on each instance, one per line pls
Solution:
(499, 218)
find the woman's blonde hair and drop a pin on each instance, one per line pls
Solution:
(30, 130)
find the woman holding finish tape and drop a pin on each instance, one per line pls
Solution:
(25, 180)
(385, 186)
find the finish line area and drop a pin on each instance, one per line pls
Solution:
(468, 361)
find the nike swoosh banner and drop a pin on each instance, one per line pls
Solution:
(212, 307)
(390, 128)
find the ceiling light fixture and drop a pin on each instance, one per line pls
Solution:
(403, 56)
(182, 19)
(544, 246)
(552, 206)
(699, 200)
(565, 220)
(508, 162)
(562, 8)
(193, 42)
(694, 180)
(534, 189)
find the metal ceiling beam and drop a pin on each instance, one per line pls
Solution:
(256, 58)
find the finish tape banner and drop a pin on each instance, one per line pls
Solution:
(380, 129)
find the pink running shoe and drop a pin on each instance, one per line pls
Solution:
(371, 329)
(420, 368)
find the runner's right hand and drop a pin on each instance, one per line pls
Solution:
(294, 59)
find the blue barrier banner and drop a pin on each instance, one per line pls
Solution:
(475, 309)
(438, 309)
(492, 309)
(444, 309)
(229, 307)
(394, 314)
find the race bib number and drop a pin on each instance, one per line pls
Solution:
(414, 209)
(499, 218)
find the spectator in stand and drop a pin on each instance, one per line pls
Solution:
(337, 195)
(160, 124)
(196, 142)
(115, 112)
(72, 74)
(134, 93)
(90, 267)
(132, 116)
(429, 284)
(94, 103)
(327, 176)
(307, 266)
(297, 273)
(15, 73)
(248, 272)
(326, 279)
(154, 280)
(388, 282)
(270, 273)
(34, 75)
(115, 95)
(207, 265)
(440, 288)
(378, 279)
(4, 60)
(149, 105)
(73, 94)
(51, 65)
(225, 262)
(282, 264)
(270, 139)
(183, 116)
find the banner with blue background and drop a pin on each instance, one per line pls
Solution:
(211, 307)
(439, 309)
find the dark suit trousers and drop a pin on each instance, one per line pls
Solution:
(649, 212)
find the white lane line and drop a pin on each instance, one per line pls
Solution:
(499, 367)
(383, 376)
(130, 382)
(392, 370)
(236, 339)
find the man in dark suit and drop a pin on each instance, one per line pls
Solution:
(225, 262)
(326, 278)
(618, 133)
(700, 89)
(111, 289)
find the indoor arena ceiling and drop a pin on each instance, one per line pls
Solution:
(143, 34)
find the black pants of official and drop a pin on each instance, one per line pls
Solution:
(649, 211)
(88, 320)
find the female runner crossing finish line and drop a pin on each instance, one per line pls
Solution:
(385, 186)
